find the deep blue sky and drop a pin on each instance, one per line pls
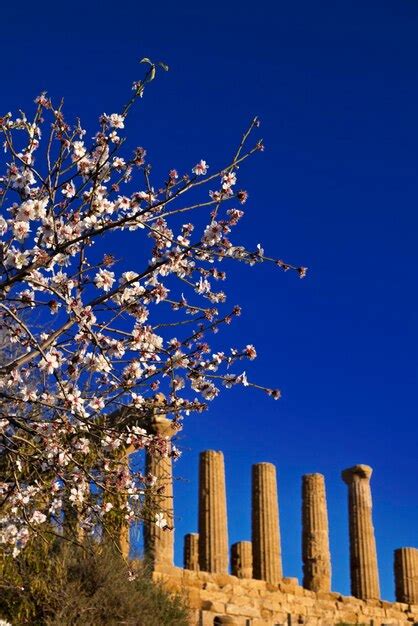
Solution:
(336, 87)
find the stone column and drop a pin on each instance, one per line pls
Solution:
(406, 575)
(242, 559)
(267, 562)
(159, 542)
(191, 552)
(213, 529)
(124, 534)
(315, 542)
(363, 555)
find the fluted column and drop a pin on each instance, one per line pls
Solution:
(315, 542)
(124, 533)
(213, 530)
(406, 575)
(242, 559)
(363, 555)
(191, 552)
(267, 562)
(159, 542)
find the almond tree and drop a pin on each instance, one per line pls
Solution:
(87, 349)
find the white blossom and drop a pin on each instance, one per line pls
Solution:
(160, 521)
(38, 518)
(104, 279)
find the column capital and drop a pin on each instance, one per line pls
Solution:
(357, 471)
(363, 555)
(163, 426)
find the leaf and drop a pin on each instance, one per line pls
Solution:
(164, 66)
(146, 60)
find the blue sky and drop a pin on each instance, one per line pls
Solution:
(336, 87)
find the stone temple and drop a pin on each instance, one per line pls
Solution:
(255, 592)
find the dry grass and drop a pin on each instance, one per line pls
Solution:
(65, 585)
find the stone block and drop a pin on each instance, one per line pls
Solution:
(225, 579)
(210, 586)
(243, 601)
(194, 617)
(215, 596)
(271, 605)
(266, 615)
(307, 601)
(326, 605)
(215, 607)
(194, 599)
(238, 590)
(245, 610)
(267, 605)
(254, 593)
(206, 618)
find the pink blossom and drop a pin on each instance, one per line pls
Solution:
(201, 168)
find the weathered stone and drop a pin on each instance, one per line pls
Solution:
(205, 619)
(218, 596)
(242, 559)
(224, 579)
(213, 530)
(216, 607)
(194, 600)
(315, 543)
(225, 619)
(159, 542)
(244, 610)
(267, 563)
(406, 575)
(124, 527)
(363, 555)
(191, 552)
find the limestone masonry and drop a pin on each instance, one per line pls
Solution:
(315, 544)
(256, 593)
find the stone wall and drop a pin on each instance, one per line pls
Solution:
(248, 602)
(258, 594)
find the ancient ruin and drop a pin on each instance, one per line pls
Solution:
(315, 544)
(242, 559)
(406, 575)
(256, 593)
(191, 551)
(159, 543)
(363, 555)
(267, 560)
(213, 530)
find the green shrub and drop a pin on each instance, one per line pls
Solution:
(67, 585)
